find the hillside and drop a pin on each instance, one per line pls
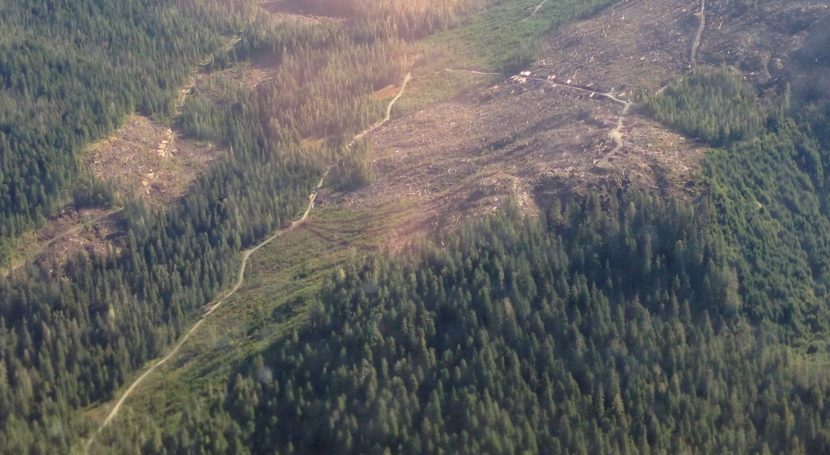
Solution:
(452, 227)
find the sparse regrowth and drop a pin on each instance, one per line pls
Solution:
(354, 169)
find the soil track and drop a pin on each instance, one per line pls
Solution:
(536, 10)
(166, 145)
(246, 255)
(616, 133)
(388, 116)
(696, 43)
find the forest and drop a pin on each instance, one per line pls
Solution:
(606, 327)
(623, 323)
(716, 107)
(71, 72)
(71, 334)
(626, 324)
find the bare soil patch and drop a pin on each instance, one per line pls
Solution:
(634, 44)
(313, 143)
(246, 75)
(148, 159)
(466, 157)
(91, 230)
(386, 93)
(94, 231)
(296, 11)
(761, 41)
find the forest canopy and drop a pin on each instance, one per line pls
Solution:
(612, 321)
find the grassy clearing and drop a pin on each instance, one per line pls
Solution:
(503, 39)
(280, 284)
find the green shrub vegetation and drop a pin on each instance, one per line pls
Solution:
(717, 108)
(354, 168)
(505, 37)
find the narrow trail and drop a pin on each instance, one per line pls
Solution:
(580, 88)
(163, 151)
(240, 279)
(169, 139)
(388, 116)
(701, 15)
(536, 10)
(615, 134)
(554, 84)
(480, 73)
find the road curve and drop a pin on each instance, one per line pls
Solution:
(240, 279)
(615, 134)
(388, 116)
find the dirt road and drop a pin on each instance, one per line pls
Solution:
(696, 43)
(240, 279)
(388, 116)
(616, 133)
(246, 255)
(168, 140)
(166, 146)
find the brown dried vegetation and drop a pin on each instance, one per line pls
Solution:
(147, 159)
(468, 155)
